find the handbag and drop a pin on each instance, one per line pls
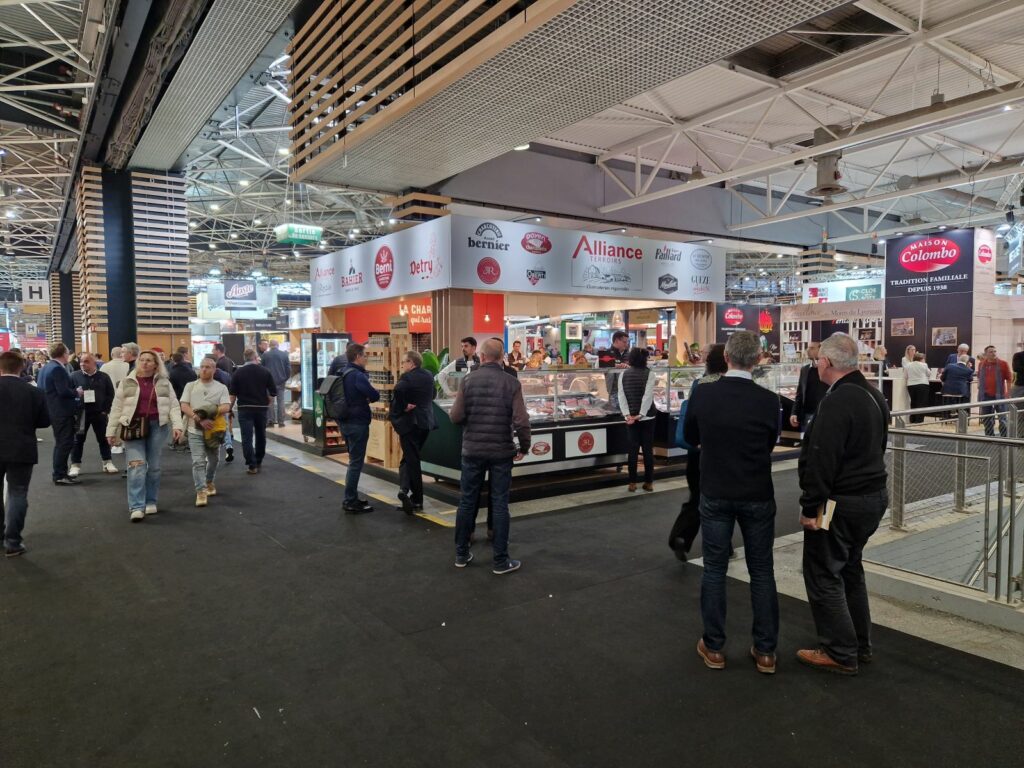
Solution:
(138, 427)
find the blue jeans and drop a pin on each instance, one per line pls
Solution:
(278, 404)
(17, 477)
(473, 471)
(356, 438)
(757, 524)
(253, 422)
(144, 478)
(204, 460)
(988, 410)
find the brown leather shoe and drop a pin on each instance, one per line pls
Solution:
(632, 487)
(648, 486)
(712, 659)
(765, 661)
(818, 659)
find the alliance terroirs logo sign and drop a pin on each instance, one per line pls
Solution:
(488, 237)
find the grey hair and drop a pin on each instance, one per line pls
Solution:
(250, 354)
(964, 347)
(841, 350)
(965, 359)
(131, 348)
(115, 353)
(492, 350)
(743, 350)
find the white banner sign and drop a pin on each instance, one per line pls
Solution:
(511, 256)
(541, 449)
(840, 310)
(587, 442)
(414, 260)
(35, 293)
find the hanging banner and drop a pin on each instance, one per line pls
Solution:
(240, 294)
(265, 297)
(511, 256)
(929, 295)
(215, 295)
(298, 234)
(414, 260)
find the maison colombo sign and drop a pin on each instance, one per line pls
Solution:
(466, 252)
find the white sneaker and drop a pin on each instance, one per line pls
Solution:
(113, 448)
(151, 509)
(138, 515)
(109, 468)
(75, 470)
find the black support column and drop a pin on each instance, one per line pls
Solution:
(119, 255)
(67, 313)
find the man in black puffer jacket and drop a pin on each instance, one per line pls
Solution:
(490, 406)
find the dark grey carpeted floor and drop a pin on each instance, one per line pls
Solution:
(269, 630)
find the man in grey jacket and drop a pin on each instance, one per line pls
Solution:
(276, 361)
(489, 406)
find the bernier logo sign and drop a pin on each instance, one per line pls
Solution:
(488, 237)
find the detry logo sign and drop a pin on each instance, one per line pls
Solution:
(930, 255)
(488, 237)
(384, 267)
(536, 242)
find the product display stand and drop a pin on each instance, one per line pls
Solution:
(384, 354)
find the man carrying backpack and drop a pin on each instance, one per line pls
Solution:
(349, 404)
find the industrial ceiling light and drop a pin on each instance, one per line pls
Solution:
(243, 183)
(1002, 227)
(355, 230)
(257, 222)
(213, 247)
(778, 255)
(214, 271)
(214, 207)
(257, 273)
(521, 147)
(282, 151)
(392, 222)
(287, 201)
(192, 225)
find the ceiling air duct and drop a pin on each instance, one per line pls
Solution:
(827, 165)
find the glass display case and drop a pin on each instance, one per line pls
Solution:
(317, 352)
(571, 394)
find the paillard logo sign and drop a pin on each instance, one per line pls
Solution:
(488, 237)
(668, 253)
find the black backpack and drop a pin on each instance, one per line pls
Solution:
(333, 391)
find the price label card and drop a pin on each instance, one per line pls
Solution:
(89, 396)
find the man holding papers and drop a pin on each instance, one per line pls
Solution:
(843, 479)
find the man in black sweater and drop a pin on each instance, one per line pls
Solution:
(252, 387)
(842, 463)
(809, 391)
(23, 413)
(735, 422)
(412, 415)
(97, 397)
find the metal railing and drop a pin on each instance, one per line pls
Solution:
(955, 500)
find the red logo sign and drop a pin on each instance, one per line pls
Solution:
(535, 242)
(606, 249)
(733, 316)
(929, 255)
(764, 321)
(540, 448)
(488, 270)
(984, 254)
(585, 443)
(384, 267)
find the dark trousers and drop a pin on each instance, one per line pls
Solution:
(473, 471)
(687, 524)
(919, 396)
(356, 438)
(757, 524)
(64, 437)
(253, 422)
(641, 436)
(987, 417)
(17, 477)
(410, 477)
(834, 576)
(97, 422)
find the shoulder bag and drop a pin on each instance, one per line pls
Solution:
(138, 427)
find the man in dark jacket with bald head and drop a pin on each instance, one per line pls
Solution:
(489, 407)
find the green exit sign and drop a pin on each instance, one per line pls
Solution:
(298, 234)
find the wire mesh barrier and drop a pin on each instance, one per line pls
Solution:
(956, 489)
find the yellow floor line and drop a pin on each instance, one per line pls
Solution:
(435, 519)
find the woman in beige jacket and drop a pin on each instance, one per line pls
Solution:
(146, 392)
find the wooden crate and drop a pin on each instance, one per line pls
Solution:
(383, 444)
